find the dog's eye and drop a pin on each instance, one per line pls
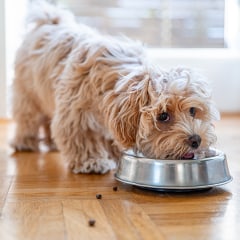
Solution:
(163, 117)
(192, 111)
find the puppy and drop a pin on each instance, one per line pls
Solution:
(95, 96)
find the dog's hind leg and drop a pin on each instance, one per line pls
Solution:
(27, 116)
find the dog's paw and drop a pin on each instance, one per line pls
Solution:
(29, 144)
(48, 145)
(93, 166)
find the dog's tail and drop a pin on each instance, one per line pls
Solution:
(42, 12)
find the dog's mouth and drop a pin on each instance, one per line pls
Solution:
(189, 155)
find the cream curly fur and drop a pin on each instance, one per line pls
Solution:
(100, 96)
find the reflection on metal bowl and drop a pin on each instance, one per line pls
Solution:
(173, 175)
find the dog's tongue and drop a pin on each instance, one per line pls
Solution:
(189, 155)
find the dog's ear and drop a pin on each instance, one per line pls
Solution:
(123, 107)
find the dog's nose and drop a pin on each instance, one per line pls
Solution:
(194, 141)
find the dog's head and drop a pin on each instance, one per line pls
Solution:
(165, 115)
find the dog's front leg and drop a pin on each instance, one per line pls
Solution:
(84, 149)
(92, 156)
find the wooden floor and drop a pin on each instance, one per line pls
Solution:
(41, 199)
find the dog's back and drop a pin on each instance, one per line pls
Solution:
(62, 71)
(43, 54)
(55, 43)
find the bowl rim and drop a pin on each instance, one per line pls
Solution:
(219, 155)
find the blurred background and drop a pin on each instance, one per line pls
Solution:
(158, 23)
(202, 34)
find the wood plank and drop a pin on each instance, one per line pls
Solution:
(77, 215)
(129, 221)
(62, 187)
(5, 184)
(28, 220)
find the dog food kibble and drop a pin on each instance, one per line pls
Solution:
(115, 188)
(99, 196)
(91, 222)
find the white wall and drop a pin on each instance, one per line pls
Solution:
(220, 66)
(14, 31)
(2, 61)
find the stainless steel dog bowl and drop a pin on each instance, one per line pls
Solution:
(176, 175)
